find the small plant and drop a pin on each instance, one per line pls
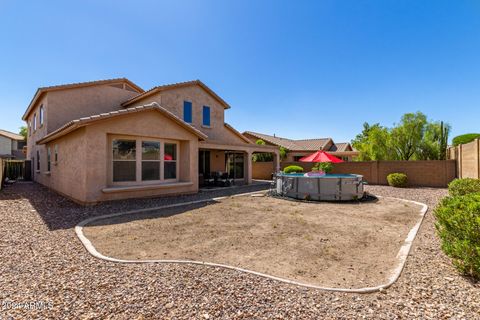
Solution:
(326, 167)
(458, 226)
(293, 169)
(397, 180)
(461, 187)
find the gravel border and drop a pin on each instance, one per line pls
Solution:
(41, 259)
(402, 254)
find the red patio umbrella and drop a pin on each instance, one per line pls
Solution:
(321, 156)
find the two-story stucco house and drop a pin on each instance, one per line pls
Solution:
(110, 139)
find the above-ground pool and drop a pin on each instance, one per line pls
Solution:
(328, 187)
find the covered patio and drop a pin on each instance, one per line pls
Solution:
(224, 165)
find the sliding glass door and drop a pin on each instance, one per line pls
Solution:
(234, 164)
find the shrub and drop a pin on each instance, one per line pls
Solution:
(398, 180)
(292, 169)
(461, 187)
(458, 226)
(465, 138)
(323, 166)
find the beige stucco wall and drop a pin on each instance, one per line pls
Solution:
(172, 100)
(68, 175)
(217, 160)
(5, 145)
(66, 105)
(84, 165)
(149, 125)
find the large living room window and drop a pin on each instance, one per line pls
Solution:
(170, 161)
(150, 160)
(144, 161)
(124, 160)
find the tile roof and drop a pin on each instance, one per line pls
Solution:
(177, 85)
(42, 90)
(11, 135)
(340, 146)
(292, 145)
(77, 123)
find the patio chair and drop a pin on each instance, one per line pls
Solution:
(225, 180)
(208, 179)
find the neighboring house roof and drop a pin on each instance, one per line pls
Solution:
(42, 90)
(11, 135)
(341, 147)
(292, 145)
(174, 86)
(78, 123)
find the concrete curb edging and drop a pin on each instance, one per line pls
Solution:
(395, 274)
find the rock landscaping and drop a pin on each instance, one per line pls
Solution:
(42, 260)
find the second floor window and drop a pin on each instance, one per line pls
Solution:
(29, 128)
(40, 115)
(187, 111)
(206, 116)
(34, 122)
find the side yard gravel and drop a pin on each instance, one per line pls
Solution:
(42, 260)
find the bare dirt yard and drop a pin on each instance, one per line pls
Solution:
(347, 245)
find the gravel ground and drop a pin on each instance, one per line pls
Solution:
(42, 260)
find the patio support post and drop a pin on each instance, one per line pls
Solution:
(249, 167)
(276, 161)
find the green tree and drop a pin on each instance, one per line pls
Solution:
(465, 138)
(373, 143)
(407, 136)
(414, 138)
(262, 157)
(283, 153)
(24, 132)
(435, 142)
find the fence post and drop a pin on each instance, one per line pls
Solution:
(477, 157)
(460, 156)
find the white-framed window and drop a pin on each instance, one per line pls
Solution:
(34, 122)
(170, 161)
(150, 160)
(124, 160)
(40, 115)
(143, 161)
(55, 157)
(29, 128)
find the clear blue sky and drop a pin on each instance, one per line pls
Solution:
(300, 69)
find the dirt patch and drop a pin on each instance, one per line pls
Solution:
(329, 244)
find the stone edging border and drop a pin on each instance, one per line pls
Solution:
(395, 274)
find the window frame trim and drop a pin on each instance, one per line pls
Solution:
(191, 111)
(209, 125)
(138, 161)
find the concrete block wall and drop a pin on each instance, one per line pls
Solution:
(430, 173)
(467, 157)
